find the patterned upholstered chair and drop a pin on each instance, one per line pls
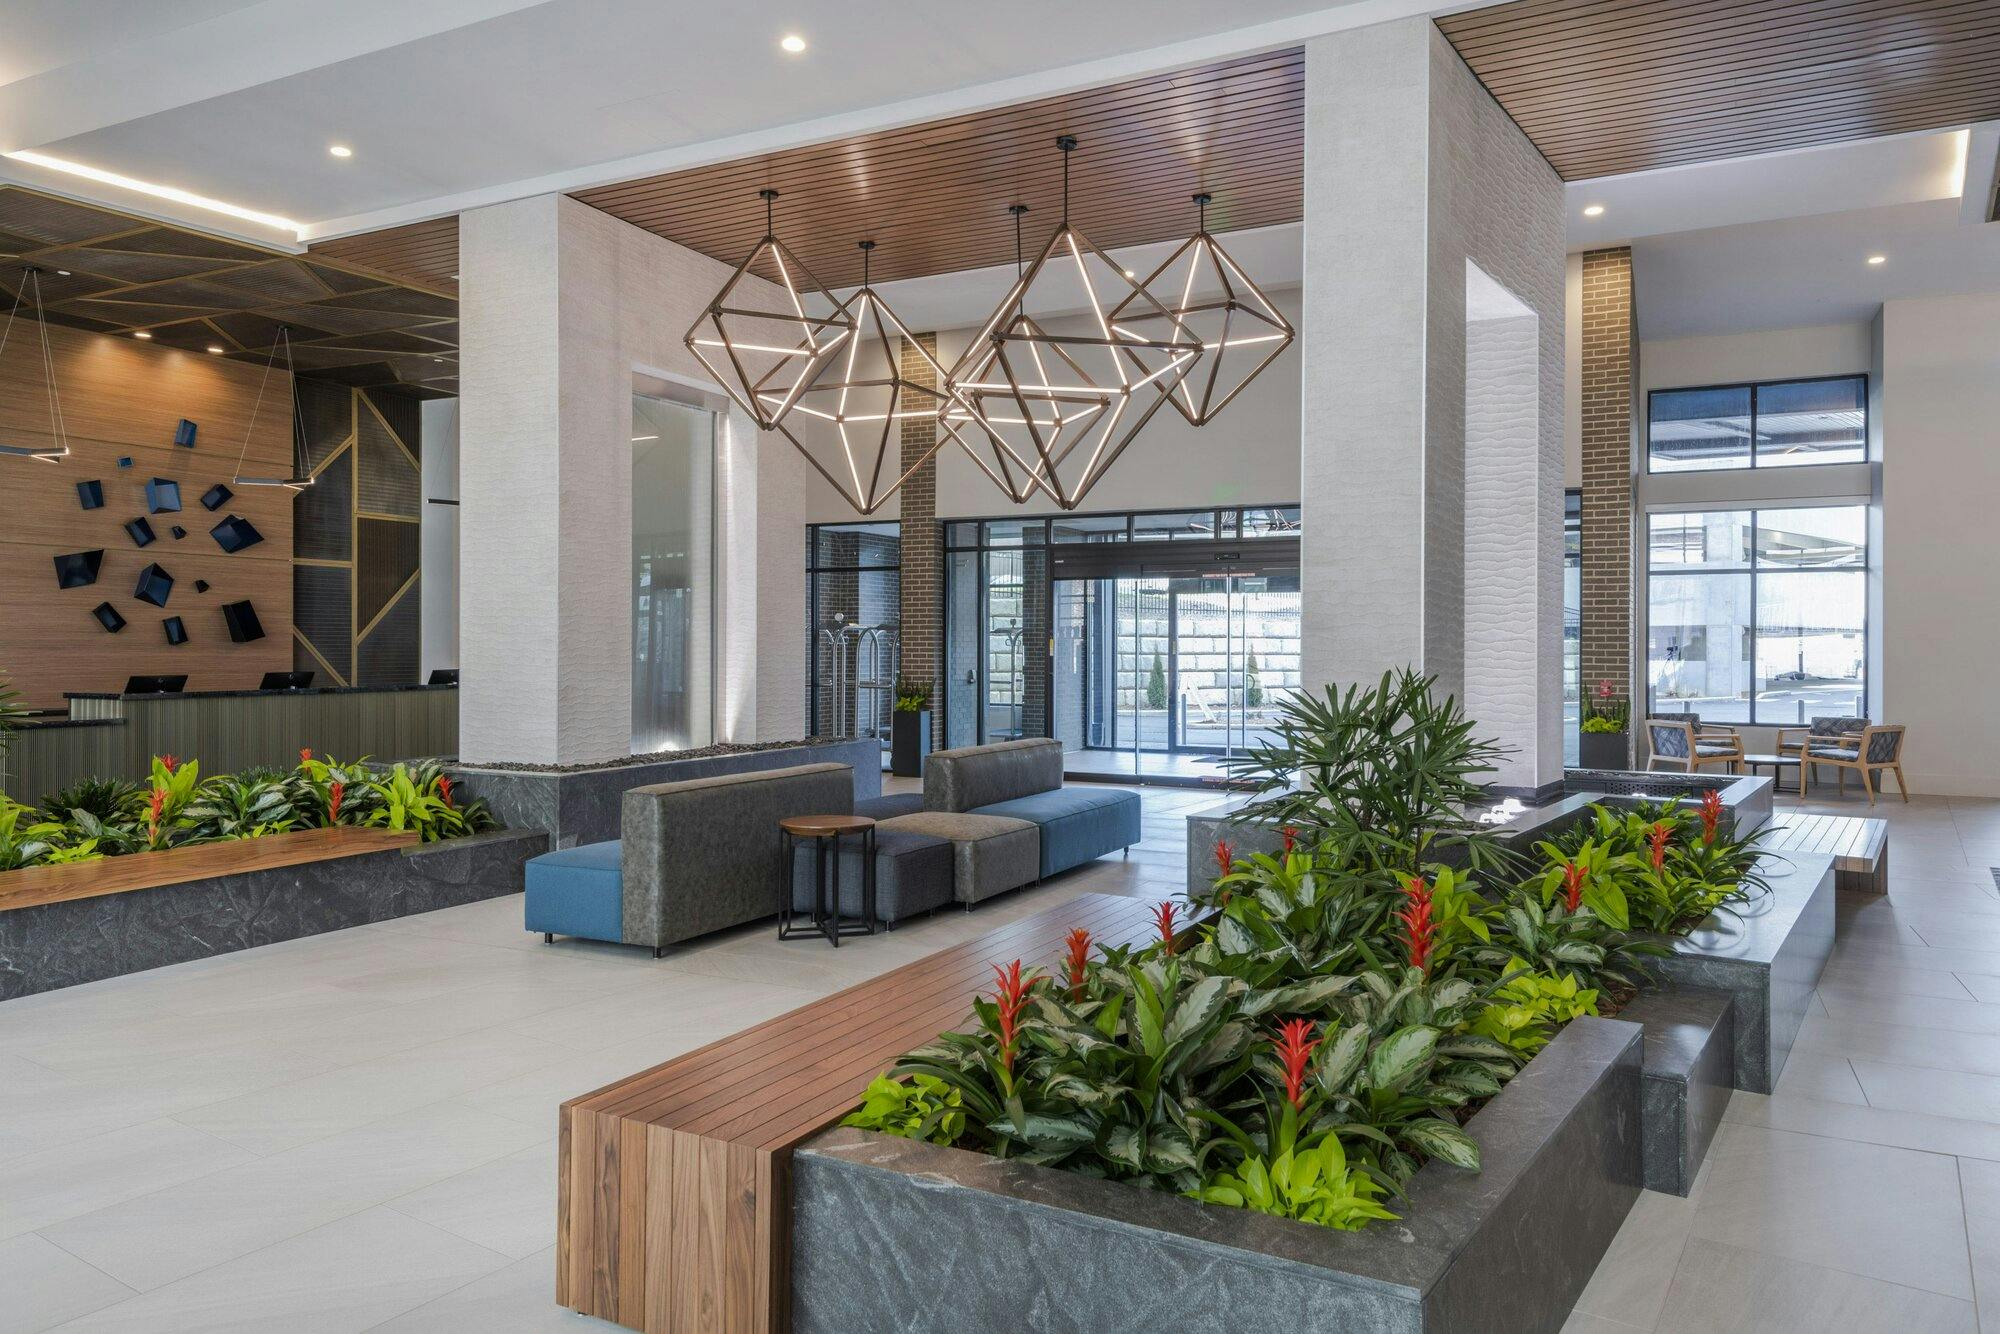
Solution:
(1874, 748)
(1826, 729)
(1683, 739)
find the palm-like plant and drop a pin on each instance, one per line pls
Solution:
(110, 800)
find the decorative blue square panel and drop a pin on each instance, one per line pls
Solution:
(184, 434)
(90, 495)
(108, 617)
(201, 585)
(140, 531)
(163, 496)
(125, 462)
(78, 568)
(155, 586)
(178, 532)
(216, 497)
(176, 630)
(242, 620)
(235, 533)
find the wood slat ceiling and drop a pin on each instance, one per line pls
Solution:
(193, 291)
(1605, 87)
(425, 253)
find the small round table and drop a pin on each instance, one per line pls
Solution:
(826, 831)
(1778, 763)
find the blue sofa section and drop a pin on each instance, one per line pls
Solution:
(1078, 824)
(578, 891)
(1023, 780)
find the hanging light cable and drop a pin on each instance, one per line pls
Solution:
(31, 279)
(302, 476)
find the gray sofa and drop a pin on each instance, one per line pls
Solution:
(1023, 781)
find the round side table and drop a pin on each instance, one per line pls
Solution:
(826, 831)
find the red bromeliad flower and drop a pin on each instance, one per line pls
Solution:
(1290, 834)
(334, 792)
(1225, 856)
(156, 804)
(1604, 690)
(305, 754)
(1164, 914)
(1419, 931)
(169, 763)
(1010, 994)
(444, 790)
(1295, 1044)
(1078, 942)
(1662, 831)
(1573, 876)
(1711, 814)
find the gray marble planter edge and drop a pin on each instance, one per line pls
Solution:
(889, 1234)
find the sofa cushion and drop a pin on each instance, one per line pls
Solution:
(1077, 823)
(577, 891)
(990, 853)
(969, 777)
(885, 807)
(913, 874)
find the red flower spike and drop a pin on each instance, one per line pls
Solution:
(1711, 814)
(1661, 833)
(1419, 931)
(1295, 1044)
(156, 803)
(169, 763)
(1573, 876)
(1078, 942)
(305, 754)
(1010, 994)
(334, 792)
(444, 790)
(1290, 834)
(1225, 856)
(1164, 914)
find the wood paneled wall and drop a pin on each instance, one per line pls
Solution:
(123, 399)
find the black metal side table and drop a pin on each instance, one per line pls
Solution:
(826, 831)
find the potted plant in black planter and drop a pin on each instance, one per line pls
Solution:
(1604, 742)
(910, 730)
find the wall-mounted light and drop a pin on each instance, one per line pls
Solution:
(792, 44)
(340, 150)
(1594, 211)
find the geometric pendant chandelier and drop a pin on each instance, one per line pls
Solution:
(301, 475)
(58, 446)
(847, 419)
(1240, 330)
(765, 358)
(1060, 397)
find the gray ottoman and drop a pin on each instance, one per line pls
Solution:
(990, 853)
(912, 874)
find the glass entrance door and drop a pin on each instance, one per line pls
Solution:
(1168, 677)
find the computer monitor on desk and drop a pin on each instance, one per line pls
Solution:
(155, 685)
(444, 676)
(285, 681)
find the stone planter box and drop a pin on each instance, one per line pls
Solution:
(54, 945)
(889, 1234)
(582, 805)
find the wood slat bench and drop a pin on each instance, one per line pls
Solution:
(674, 1194)
(36, 885)
(1859, 847)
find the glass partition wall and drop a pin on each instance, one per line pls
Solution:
(854, 590)
(673, 487)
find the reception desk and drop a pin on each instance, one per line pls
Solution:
(116, 735)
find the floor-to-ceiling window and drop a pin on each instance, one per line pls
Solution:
(854, 617)
(672, 583)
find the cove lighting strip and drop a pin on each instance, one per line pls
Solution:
(167, 192)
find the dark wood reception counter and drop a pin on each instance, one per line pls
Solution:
(116, 735)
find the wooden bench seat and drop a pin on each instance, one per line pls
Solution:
(35, 885)
(674, 1195)
(1859, 846)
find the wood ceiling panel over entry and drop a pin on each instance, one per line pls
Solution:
(1611, 86)
(934, 197)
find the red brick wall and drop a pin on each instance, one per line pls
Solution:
(922, 558)
(1609, 357)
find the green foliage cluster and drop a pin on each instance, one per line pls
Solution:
(912, 696)
(1338, 1010)
(176, 806)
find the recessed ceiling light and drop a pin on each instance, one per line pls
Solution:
(637, 438)
(340, 150)
(1130, 274)
(62, 273)
(1878, 259)
(216, 348)
(792, 43)
(142, 333)
(1594, 211)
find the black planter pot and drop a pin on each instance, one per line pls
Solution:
(909, 742)
(1604, 750)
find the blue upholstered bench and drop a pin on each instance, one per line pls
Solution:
(1023, 780)
(578, 891)
(1078, 824)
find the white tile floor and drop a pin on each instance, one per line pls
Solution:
(357, 1131)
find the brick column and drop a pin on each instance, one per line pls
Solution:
(922, 581)
(1610, 351)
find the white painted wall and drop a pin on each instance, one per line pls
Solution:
(437, 580)
(1941, 473)
(1764, 354)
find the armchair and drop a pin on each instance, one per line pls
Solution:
(1826, 729)
(1685, 740)
(1873, 748)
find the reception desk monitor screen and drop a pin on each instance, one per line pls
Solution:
(444, 676)
(155, 685)
(285, 681)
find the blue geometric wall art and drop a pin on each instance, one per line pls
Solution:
(163, 496)
(155, 586)
(235, 533)
(125, 462)
(78, 568)
(90, 495)
(243, 623)
(216, 497)
(201, 585)
(108, 617)
(140, 532)
(184, 434)
(176, 630)
(178, 532)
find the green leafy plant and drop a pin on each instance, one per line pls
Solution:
(1606, 711)
(917, 1107)
(11, 712)
(1313, 1185)
(111, 800)
(1528, 1007)
(912, 696)
(170, 793)
(24, 841)
(246, 805)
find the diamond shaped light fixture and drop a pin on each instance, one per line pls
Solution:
(764, 359)
(57, 445)
(1241, 332)
(1060, 401)
(847, 420)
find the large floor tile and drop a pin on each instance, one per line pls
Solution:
(1973, 1097)
(42, 1285)
(1733, 1290)
(1892, 1214)
(1923, 1131)
(1631, 1281)
(1812, 1074)
(42, 1188)
(508, 1205)
(518, 1299)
